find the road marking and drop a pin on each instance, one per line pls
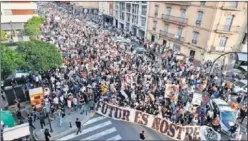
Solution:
(115, 138)
(94, 120)
(87, 130)
(101, 134)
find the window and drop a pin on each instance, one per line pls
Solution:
(134, 19)
(116, 14)
(7, 12)
(199, 17)
(195, 37)
(143, 10)
(143, 21)
(128, 17)
(179, 32)
(234, 4)
(202, 3)
(244, 39)
(122, 16)
(223, 41)
(166, 29)
(128, 7)
(228, 23)
(168, 11)
(156, 11)
(154, 25)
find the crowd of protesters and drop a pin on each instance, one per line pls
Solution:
(96, 67)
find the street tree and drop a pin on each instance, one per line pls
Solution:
(2, 35)
(32, 27)
(39, 56)
(10, 60)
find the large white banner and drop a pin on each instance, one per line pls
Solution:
(166, 127)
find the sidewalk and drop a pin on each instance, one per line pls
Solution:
(65, 129)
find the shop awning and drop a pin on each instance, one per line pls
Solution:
(242, 57)
(16, 132)
(7, 119)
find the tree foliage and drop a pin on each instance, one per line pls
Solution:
(39, 56)
(32, 27)
(2, 35)
(10, 60)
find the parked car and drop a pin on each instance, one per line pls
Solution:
(226, 113)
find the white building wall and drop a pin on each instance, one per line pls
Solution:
(17, 18)
(104, 8)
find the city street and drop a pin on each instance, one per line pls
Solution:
(103, 128)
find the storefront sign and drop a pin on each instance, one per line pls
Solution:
(172, 130)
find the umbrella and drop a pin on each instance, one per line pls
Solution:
(7, 118)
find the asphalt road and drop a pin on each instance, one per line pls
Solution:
(104, 128)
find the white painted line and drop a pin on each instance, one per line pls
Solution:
(115, 138)
(101, 134)
(87, 130)
(94, 120)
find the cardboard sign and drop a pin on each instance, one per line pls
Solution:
(171, 91)
(209, 134)
(157, 123)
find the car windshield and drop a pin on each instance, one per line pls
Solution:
(239, 84)
(227, 115)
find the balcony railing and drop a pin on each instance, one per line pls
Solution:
(171, 36)
(178, 2)
(227, 29)
(228, 6)
(174, 19)
(225, 49)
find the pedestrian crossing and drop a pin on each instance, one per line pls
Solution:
(97, 128)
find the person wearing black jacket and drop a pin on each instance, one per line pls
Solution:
(47, 135)
(142, 135)
(30, 121)
(78, 124)
(42, 121)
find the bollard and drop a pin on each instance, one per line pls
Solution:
(70, 125)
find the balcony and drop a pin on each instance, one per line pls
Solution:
(224, 29)
(175, 20)
(171, 36)
(184, 3)
(225, 49)
(231, 7)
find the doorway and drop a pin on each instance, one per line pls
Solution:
(192, 53)
(164, 42)
(153, 38)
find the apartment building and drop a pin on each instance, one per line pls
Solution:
(203, 30)
(88, 7)
(106, 11)
(131, 16)
(14, 14)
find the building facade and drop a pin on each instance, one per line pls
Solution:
(89, 7)
(106, 11)
(15, 14)
(131, 16)
(203, 30)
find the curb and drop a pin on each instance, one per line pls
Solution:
(57, 136)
